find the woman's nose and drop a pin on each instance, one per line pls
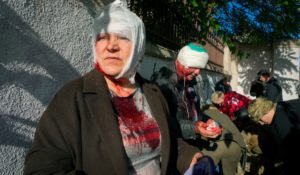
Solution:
(113, 43)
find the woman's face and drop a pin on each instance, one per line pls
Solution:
(112, 52)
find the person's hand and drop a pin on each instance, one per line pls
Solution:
(195, 159)
(210, 129)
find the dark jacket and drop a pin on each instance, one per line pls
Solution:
(257, 88)
(286, 119)
(273, 90)
(79, 134)
(221, 86)
(286, 130)
(181, 125)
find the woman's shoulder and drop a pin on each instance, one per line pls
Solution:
(71, 85)
(86, 82)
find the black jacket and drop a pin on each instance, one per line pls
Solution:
(273, 91)
(286, 130)
(257, 88)
(220, 86)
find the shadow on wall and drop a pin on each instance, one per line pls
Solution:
(250, 67)
(261, 60)
(8, 132)
(92, 5)
(285, 55)
(26, 62)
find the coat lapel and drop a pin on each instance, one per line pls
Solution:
(99, 105)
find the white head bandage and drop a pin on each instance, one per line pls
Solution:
(116, 18)
(193, 55)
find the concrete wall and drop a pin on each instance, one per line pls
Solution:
(248, 68)
(44, 44)
(282, 59)
(286, 67)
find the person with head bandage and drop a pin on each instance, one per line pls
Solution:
(110, 120)
(191, 58)
(203, 129)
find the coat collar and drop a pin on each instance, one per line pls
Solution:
(100, 107)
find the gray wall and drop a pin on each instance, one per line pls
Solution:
(283, 58)
(44, 44)
(248, 68)
(286, 67)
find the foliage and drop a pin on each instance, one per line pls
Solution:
(246, 21)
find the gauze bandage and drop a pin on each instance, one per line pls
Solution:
(193, 56)
(117, 19)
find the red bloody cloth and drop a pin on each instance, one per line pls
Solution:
(233, 101)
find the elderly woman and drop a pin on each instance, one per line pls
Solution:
(110, 121)
(283, 119)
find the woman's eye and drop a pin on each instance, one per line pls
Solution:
(102, 37)
(123, 38)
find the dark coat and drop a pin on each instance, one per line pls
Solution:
(273, 91)
(286, 130)
(257, 88)
(79, 134)
(181, 125)
(286, 119)
(221, 86)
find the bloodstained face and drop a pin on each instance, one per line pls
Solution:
(187, 73)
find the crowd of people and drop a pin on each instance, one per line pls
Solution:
(113, 121)
(211, 132)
